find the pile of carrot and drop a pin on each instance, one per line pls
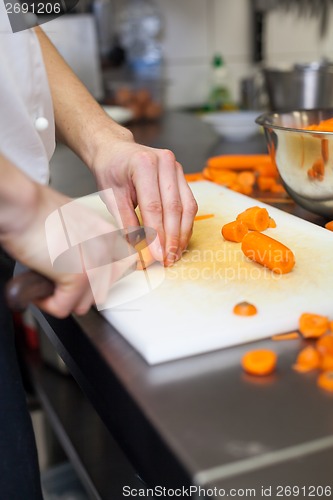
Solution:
(241, 173)
(317, 330)
(247, 230)
(323, 126)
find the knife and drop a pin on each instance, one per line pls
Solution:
(31, 286)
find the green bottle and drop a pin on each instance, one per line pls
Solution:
(220, 96)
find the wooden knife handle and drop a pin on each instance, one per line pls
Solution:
(26, 288)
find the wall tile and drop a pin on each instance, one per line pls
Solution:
(186, 29)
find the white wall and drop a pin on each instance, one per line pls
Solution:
(196, 29)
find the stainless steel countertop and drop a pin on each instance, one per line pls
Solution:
(199, 420)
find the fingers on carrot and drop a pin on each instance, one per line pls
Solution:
(308, 359)
(145, 258)
(325, 381)
(329, 225)
(203, 217)
(313, 325)
(268, 252)
(234, 231)
(245, 309)
(256, 218)
(260, 362)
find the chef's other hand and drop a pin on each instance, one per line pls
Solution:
(153, 180)
(29, 235)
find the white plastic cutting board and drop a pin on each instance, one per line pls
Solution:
(187, 309)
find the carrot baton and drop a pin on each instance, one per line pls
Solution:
(256, 218)
(268, 252)
(234, 231)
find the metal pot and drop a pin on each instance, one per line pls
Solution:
(304, 86)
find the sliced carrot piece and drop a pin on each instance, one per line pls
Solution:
(326, 362)
(329, 225)
(145, 258)
(256, 218)
(234, 231)
(317, 170)
(239, 188)
(203, 217)
(260, 362)
(246, 178)
(325, 381)
(223, 177)
(313, 325)
(206, 174)
(238, 162)
(245, 309)
(324, 150)
(286, 336)
(308, 359)
(268, 252)
(271, 223)
(265, 183)
(277, 188)
(325, 344)
(193, 177)
(267, 169)
(331, 326)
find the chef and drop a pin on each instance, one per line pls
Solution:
(41, 100)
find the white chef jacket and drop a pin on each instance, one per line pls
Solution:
(24, 97)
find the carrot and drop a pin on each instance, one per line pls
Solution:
(265, 183)
(331, 326)
(326, 362)
(255, 218)
(195, 176)
(206, 174)
(329, 225)
(324, 150)
(239, 188)
(272, 223)
(308, 359)
(260, 362)
(246, 178)
(317, 171)
(286, 336)
(267, 170)
(325, 381)
(323, 126)
(245, 309)
(203, 217)
(223, 177)
(277, 188)
(325, 344)
(237, 162)
(313, 325)
(145, 258)
(268, 252)
(234, 231)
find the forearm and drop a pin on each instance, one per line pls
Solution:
(81, 123)
(17, 195)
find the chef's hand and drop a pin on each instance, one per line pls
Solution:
(154, 180)
(25, 237)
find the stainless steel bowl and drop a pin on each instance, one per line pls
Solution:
(296, 150)
(304, 86)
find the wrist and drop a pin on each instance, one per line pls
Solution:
(105, 134)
